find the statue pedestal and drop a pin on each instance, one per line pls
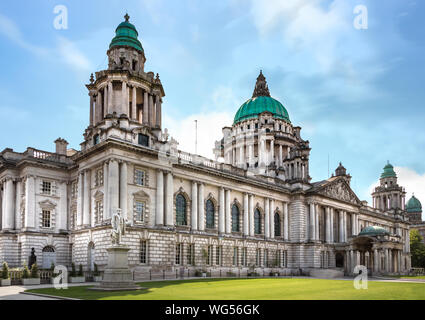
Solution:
(117, 275)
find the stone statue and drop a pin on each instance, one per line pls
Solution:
(32, 259)
(118, 227)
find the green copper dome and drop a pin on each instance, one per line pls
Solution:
(260, 102)
(255, 106)
(388, 172)
(374, 231)
(413, 205)
(126, 35)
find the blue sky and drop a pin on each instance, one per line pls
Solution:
(357, 94)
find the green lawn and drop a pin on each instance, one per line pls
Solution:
(252, 289)
(409, 277)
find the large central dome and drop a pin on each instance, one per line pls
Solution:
(260, 102)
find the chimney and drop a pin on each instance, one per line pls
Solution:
(61, 145)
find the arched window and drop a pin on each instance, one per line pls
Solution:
(277, 225)
(257, 222)
(49, 257)
(181, 210)
(235, 218)
(210, 214)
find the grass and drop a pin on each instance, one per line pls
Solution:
(409, 277)
(252, 289)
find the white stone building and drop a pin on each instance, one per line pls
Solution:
(256, 208)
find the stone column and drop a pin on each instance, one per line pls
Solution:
(352, 262)
(391, 260)
(113, 186)
(272, 151)
(328, 225)
(201, 207)
(9, 206)
(145, 109)
(375, 261)
(228, 213)
(169, 219)
(358, 257)
(123, 190)
(398, 261)
(110, 97)
(353, 224)
(285, 221)
(194, 206)
(272, 219)
(151, 111)
(316, 223)
(312, 227)
(158, 111)
(134, 104)
(341, 226)
(332, 226)
(63, 207)
(124, 104)
(105, 191)
(29, 203)
(221, 218)
(105, 101)
(98, 112)
(245, 215)
(159, 216)
(345, 226)
(280, 156)
(80, 199)
(387, 260)
(267, 218)
(87, 198)
(18, 198)
(251, 215)
(91, 109)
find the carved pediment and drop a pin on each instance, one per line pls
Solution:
(98, 194)
(141, 194)
(47, 204)
(340, 190)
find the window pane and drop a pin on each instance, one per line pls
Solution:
(277, 224)
(235, 218)
(210, 214)
(143, 140)
(257, 222)
(181, 210)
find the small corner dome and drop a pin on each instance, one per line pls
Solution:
(260, 102)
(388, 171)
(374, 231)
(413, 205)
(126, 35)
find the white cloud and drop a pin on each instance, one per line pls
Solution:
(413, 182)
(71, 55)
(210, 123)
(9, 29)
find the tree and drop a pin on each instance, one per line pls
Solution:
(34, 271)
(5, 271)
(417, 249)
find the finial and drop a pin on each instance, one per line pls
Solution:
(91, 79)
(261, 87)
(126, 17)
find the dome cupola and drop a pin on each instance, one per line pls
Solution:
(414, 205)
(126, 35)
(373, 231)
(388, 171)
(260, 102)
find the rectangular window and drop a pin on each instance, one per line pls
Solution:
(98, 211)
(244, 256)
(218, 255)
(209, 255)
(258, 258)
(178, 253)
(143, 252)
(139, 177)
(266, 257)
(96, 139)
(190, 254)
(45, 219)
(235, 256)
(143, 140)
(74, 189)
(139, 210)
(46, 187)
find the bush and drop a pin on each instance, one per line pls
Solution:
(34, 271)
(5, 271)
(80, 270)
(52, 267)
(73, 272)
(25, 272)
